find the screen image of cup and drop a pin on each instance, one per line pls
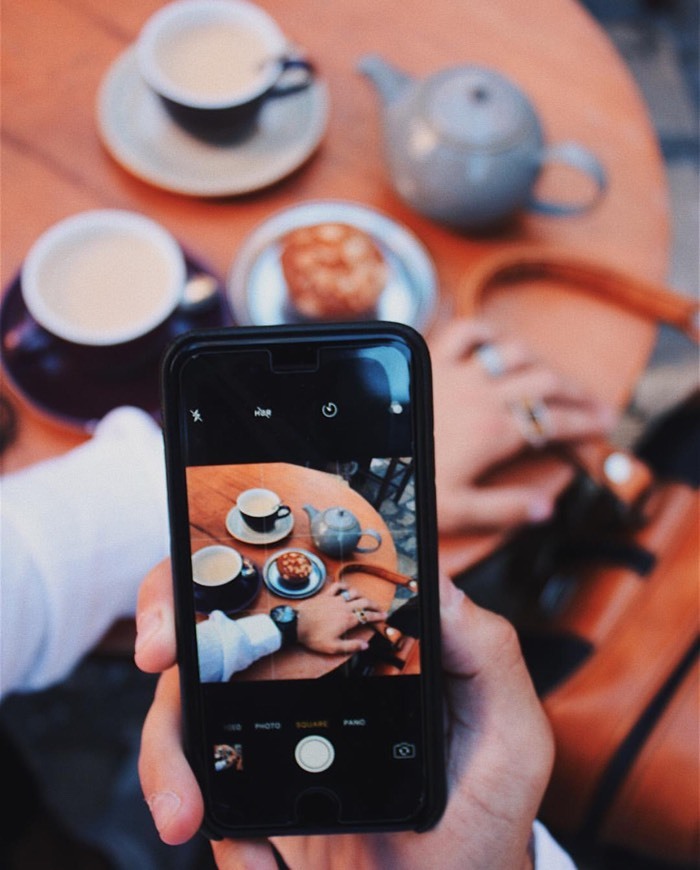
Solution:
(103, 278)
(214, 62)
(260, 509)
(215, 569)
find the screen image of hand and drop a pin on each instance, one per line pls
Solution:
(324, 620)
(499, 753)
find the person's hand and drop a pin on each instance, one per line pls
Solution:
(492, 400)
(323, 621)
(499, 754)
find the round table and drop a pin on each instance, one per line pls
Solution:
(55, 163)
(212, 494)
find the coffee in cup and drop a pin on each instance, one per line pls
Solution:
(103, 278)
(260, 509)
(214, 62)
(217, 572)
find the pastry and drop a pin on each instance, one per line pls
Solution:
(294, 568)
(333, 271)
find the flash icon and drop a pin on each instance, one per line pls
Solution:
(196, 415)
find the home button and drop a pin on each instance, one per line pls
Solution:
(314, 753)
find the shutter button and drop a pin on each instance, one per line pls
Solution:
(314, 753)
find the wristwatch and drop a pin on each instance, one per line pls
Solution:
(285, 618)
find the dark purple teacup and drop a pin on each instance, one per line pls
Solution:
(214, 63)
(222, 578)
(100, 285)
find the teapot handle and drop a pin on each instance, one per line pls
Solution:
(577, 157)
(377, 537)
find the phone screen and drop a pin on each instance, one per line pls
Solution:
(302, 511)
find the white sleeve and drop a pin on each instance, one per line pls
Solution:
(225, 646)
(77, 535)
(549, 855)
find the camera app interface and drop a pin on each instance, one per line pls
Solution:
(305, 581)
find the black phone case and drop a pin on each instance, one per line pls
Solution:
(289, 337)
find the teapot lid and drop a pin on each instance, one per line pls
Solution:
(477, 108)
(339, 519)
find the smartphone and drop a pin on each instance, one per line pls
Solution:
(302, 512)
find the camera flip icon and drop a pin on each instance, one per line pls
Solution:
(404, 750)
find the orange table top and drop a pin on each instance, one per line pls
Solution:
(56, 56)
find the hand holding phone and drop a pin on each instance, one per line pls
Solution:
(302, 508)
(497, 773)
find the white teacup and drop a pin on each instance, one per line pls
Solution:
(214, 62)
(103, 278)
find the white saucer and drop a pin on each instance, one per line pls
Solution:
(140, 135)
(237, 527)
(257, 290)
(271, 576)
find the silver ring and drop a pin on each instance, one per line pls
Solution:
(361, 616)
(345, 593)
(534, 421)
(491, 360)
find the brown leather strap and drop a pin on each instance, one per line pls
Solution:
(525, 263)
(377, 571)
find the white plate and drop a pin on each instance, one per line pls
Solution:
(271, 576)
(237, 527)
(142, 137)
(257, 290)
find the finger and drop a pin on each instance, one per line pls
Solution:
(245, 854)
(374, 616)
(155, 649)
(346, 592)
(168, 784)
(510, 356)
(348, 646)
(574, 423)
(499, 507)
(494, 507)
(491, 687)
(541, 383)
(363, 603)
(459, 338)
(487, 689)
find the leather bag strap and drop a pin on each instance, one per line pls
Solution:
(377, 571)
(613, 285)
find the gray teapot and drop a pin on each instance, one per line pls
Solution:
(465, 146)
(336, 532)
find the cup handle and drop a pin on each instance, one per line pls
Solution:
(296, 82)
(372, 534)
(282, 512)
(577, 157)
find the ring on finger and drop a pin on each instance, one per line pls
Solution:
(361, 616)
(346, 594)
(491, 360)
(534, 420)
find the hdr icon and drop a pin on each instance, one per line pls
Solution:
(263, 412)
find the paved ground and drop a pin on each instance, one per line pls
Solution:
(81, 738)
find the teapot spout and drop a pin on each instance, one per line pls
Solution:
(389, 81)
(311, 511)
